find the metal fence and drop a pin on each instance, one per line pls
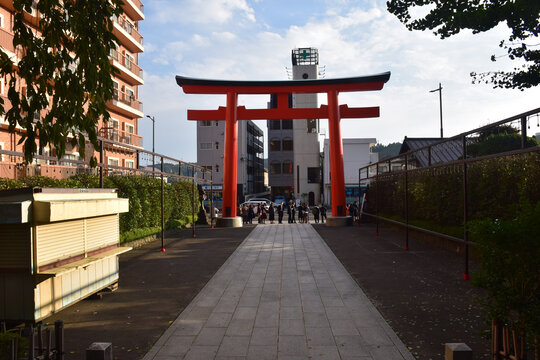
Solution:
(142, 162)
(42, 342)
(452, 158)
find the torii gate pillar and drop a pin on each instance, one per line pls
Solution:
(336, 158)
(230, 160)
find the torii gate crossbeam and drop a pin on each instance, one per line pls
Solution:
(333, 112)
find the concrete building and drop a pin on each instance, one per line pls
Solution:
(293, 145)
(210, 150)
(356, 154)
(125, 109)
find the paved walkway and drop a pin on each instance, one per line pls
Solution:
(281, 295)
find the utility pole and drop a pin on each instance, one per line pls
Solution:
(439, 89)
(153, 144)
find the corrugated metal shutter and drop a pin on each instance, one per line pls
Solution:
(59, 240)
(15, 246)
(101, 232)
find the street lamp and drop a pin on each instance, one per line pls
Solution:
(439, 89)
(153, 143)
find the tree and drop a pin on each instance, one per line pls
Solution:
(64, 70)
(449, 17)
(386, 151)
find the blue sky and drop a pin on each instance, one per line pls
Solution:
(242, 39)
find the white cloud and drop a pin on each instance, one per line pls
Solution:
(201, 11)
(352, 41)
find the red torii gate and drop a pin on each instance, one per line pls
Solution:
(232, 113)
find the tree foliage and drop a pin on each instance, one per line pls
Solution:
(386, 151)
(449, 17)
(65, 69)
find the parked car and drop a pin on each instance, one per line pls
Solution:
(256, 202)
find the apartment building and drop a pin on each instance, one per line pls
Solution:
(125, 108)
(293, 145)
(210, 150)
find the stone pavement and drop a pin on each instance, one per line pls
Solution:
(281, 295)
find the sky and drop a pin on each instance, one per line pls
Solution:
(253, 39)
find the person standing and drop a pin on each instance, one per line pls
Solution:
(280, 212)
(316, 214)
(271, 213)
(323, 213)
(251, 214)
(293, 213)
(289, 213)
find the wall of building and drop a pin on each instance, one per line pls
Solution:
(356, 154)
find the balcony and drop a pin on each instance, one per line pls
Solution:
(121, 136)
(129, 70)
(134, 9)
(127, 34)
(6, 42)
(126, 104)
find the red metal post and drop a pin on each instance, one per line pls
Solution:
(336, 156)
(230, 160)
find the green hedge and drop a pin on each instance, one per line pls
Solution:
(143, 192)
(495, 187)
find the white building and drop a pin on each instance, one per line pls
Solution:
(293, 146)
(356, 154)
(250, 170)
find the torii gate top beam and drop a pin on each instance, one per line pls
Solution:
(209, 86)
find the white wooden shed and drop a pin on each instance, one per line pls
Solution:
(57, 246)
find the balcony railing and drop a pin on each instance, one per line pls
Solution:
(127, 99)
(129, 28)
(127, 63)
(138, 4)
(121, 136)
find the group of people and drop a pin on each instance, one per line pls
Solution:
(250, 211)
(303, 210)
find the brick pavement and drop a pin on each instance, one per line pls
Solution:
(281, 295)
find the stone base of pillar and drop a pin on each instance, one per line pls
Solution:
(229, 222)
(339, 221)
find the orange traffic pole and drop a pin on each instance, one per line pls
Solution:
(336, 156)
(230, 161)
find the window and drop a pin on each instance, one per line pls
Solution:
(311, 125)
(217, 168)
(287, 167)
(275, 125)
(130, 129)
(114, 125)
(129, 163)
(286, 124)
(275, 168)
(113, 161)
(1, 20)
(205, 146)
(205, 123)
(217, 145)
(313, 175)
(287, 144)
(275, 145)
(130, 96)
(115, 87)
(217, 123)
(1, 148)
(129, 60)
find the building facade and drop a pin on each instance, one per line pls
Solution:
(125, 108)
(210, 150)
(294, 158)
(356, 154)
